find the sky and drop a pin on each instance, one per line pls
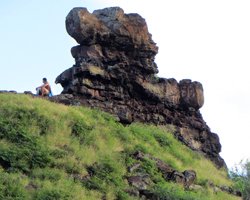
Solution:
(205, 41)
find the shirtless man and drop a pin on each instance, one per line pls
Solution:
(44, 89)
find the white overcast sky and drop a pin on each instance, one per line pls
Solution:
(206, 41)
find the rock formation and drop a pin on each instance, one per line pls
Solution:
(115, 71)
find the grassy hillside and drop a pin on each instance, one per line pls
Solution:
(47, 152)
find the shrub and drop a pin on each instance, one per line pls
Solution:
(19, 120)
(53, 194)
(83, 132)
(24, 158)
(106, 173)
(241, 177)
(162, 139)
(121, 195)
(22, 149)
(11, 188)
(51, 174)
(170, 191)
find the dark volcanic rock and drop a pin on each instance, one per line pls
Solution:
(190, 176)
(140, 182)
(115, 71)
(185, 178)
(6, 91)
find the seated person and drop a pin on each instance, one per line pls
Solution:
(44, 90)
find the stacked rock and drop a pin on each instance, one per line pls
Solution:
(115, 71)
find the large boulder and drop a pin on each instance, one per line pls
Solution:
(109, 25)
(191, 94)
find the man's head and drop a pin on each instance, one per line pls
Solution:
(45, 80)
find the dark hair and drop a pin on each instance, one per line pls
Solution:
(45, 79)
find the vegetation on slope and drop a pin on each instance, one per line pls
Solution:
(241, 177)
(48, 151)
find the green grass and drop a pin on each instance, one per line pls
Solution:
(47, 151)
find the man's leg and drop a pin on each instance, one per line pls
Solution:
(45, 92)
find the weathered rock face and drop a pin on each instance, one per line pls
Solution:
(115, 71)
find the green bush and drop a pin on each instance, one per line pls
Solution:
(83, 132)
(122, 195)
(142, 133)
(162, 139)
(53, 194)
(170, 191)
(14, 121)
(22, 149)
(241, 177)
(58, 153)
(51, 174)
(24, 158)
(11, 188)
(106, 173)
